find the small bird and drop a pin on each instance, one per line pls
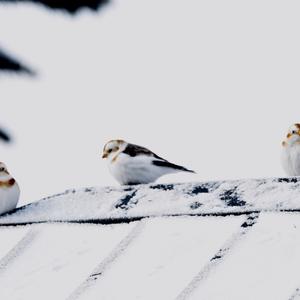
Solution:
(290, 156)
(9, 190)
(132, 164)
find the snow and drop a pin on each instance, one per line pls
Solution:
(163, 258)
(10, 239)
(162, 200)
(264, 265)
(212, 240)
(58, 259)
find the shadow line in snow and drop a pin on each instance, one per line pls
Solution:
(107, 262)
(18, 249)
(128, 219)
(218, 257)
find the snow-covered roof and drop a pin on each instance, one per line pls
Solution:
(215, 240)
(110, 204)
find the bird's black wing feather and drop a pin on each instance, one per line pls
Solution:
(165, 163)
(134, 150)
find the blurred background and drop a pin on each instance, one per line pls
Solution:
(212, 85)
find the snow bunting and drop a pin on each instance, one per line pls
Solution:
(290, 156)
(133, 164)
(9, 190)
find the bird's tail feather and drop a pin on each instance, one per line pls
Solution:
(166, 164)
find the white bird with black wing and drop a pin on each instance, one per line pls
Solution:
(290, 156)
(132, 164)
(9, 190)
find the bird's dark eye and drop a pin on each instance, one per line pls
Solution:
(109, 150)
(294, 132)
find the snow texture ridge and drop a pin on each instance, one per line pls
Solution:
(129, 203)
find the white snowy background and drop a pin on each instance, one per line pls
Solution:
(212, 85)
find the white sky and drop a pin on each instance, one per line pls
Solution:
(212, 85)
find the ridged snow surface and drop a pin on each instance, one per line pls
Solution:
(163, 200)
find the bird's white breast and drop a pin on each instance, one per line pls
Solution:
(290, 158)
(9, 197)
(137, 169)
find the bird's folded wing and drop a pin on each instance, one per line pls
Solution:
(135, 150)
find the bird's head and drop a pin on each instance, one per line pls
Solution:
(112, 148)
(293, 135)
(3, 168)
